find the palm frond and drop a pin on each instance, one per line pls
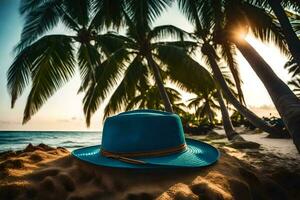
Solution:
(50, 70)
(143, 13)
(292, 67)
(88, 59)
(107, 76)
(295, 83)
(211, 14)
(111, 42)
(67, 20)
(127, 87)
(108, 13)
(149, 98)
(134, 103)
(78, 10)
(182, 69)
(18, 74)
(166, 31)
(38, 21)
(189, 46)
(29, 5)
(190, 9)
(264, 27)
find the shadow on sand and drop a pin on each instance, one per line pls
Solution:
(48, 173)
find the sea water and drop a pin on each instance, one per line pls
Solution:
(17, 140)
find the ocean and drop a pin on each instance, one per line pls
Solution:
(17, 140)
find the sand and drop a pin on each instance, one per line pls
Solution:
(42, 172)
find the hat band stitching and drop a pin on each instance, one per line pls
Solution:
(127, 157)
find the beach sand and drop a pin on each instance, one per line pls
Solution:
(42, 172)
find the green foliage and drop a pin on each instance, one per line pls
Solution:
(115, 66)
(149, 98)
(295, 83)
(39, 18)
(48, 61)
(205, 105)
(48, 71)
(135, 74)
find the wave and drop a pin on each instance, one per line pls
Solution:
(20, 139)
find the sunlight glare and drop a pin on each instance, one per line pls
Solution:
(241, 33)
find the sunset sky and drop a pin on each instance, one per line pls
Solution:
(64, 110)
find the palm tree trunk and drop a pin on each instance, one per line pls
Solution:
(235, 75)
(287, 29)
(210, 117)
(159, 82)
(285, 101)
(254, 119)
(229, 130)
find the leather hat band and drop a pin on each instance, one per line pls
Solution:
(128, 156)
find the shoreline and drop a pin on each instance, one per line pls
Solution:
(37, 171)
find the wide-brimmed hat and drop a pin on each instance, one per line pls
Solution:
(147, 139)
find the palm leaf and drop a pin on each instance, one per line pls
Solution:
(88, 59)
(50, 70)
(27, 6)
(182, 69)
(111, 42)
(79, 10)
(108, 13)
(18, 74)
(190, 9)
(37, 22)
(143, 13)
(165, 31)
(108, 74)
(127, 87)
(295, 83)
(264, 27)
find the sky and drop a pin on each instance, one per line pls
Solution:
(63, 111)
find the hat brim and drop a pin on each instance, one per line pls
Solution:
(198, 154)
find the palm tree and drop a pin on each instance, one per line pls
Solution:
(228, 127)
(290, 36)
(199, 13)
(138, 58)
(208, 102)
(49, 60)
(179, 72)
(139, 22)
(149, 98)
(205, 104)
(246, 17)
(285, 101)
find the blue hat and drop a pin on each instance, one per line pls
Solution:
(147, 139)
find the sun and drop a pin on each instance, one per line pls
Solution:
(241, 33)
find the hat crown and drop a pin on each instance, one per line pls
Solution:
(142, 131)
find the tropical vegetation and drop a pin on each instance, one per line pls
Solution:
(122, 56)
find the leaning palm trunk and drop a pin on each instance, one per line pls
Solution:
(287, 29)
(285, 101)
(159, 82)
(229, 130)
(254, 119)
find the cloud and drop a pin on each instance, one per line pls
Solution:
(67, 120)
(265, 107)
(8, 122)
(63, 120)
